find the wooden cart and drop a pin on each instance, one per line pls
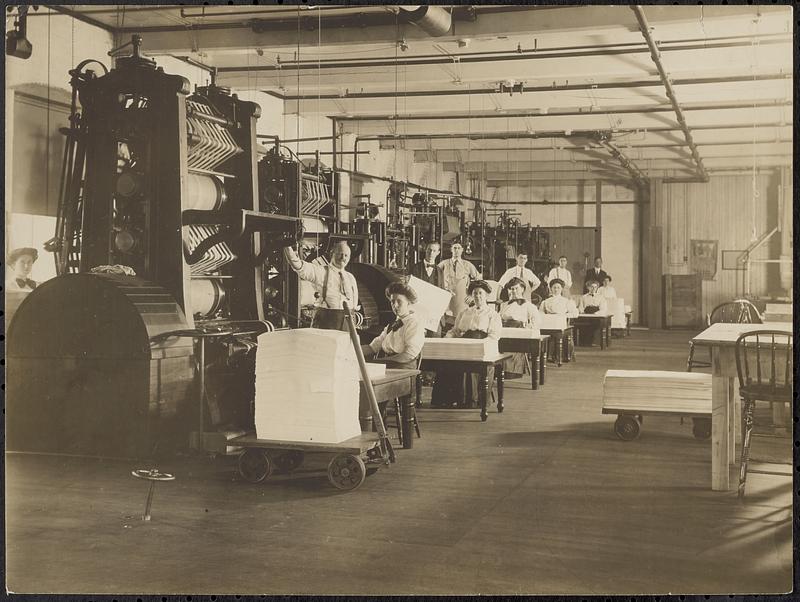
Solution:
(351, 462)
(628, 425)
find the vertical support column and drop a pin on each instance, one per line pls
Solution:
(785, 216)
(652, 262)
(598, 218)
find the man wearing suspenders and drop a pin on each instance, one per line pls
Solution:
(335, 283)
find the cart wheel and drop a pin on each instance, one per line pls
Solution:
(627, 427)
(640, 418)
(346, 471)
(254, 465)
(701, 428)
(289, 461)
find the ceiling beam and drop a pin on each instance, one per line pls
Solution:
(644, 26)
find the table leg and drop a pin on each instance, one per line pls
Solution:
(407, 411)
(608, 332)
(418, 384)
(535, 367)
(501, 375)
(483, 392)
(545, 349)
(720, 433)
(602, 333)
(733, 426)
(559, 348)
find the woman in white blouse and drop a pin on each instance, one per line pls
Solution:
(593, 299)
(518, 312)
(480, 321)
(607, 291)
(400, 343)
(558, 304)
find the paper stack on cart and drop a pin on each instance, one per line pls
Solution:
(460, 349)
(306, 386)
(519, 333)
(688, 392)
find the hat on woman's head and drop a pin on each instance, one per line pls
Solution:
(514, 282)
(401, 288)
(556, 281)
(476, 284)
(17, 253)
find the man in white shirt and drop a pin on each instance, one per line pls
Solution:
(456, 275)
(335, 285)
(523, 273)
(562, 273)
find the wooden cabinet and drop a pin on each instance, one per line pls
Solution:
(683, 301)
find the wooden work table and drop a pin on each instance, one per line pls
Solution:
(479, 367)
(398, 383)
(725, 409)
(594, 322)
(535, 348)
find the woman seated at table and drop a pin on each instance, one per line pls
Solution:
(556, 303)
(607, 291)
(400, 343)
(593, 302)
(518, 312)
(480, 321)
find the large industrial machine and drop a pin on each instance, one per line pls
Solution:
(163, 246)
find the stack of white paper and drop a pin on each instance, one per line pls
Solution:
(616, 307)
(684, 392)
(431, 304)
(553, 322)
(519, 333)
(306, 386)
(374, 371)
(460, 349)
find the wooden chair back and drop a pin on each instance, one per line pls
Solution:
(764, 364)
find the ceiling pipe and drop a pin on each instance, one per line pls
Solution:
(433, 20)
(626, 110)
(546, 88)
(656, 56)
(463, 58)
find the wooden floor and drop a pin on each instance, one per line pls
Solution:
(541, 499)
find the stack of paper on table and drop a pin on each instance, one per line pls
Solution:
(306, 386)
(616, 307)
(460, 349)
(519, 333)
(374, 371)
(431, 304)
(553, 322)
(688, 392)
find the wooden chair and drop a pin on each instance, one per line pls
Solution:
(393, 408)
(764, 367)
(739, 311)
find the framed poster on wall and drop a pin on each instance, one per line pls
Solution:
(703, 258)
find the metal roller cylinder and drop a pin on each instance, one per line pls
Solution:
(433, 20)
(204, 192)
(129, 183)
(207, 297)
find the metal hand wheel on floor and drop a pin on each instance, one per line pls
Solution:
(153, 475)
(346, 471)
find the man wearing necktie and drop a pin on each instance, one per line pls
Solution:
(456, 274)
(332, 281)
(597, 273)
(520, 271)
(561, 272)
(427, 269)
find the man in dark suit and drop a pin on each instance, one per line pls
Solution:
(426, 269)
(597, 273)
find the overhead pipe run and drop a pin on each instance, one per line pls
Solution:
(433, 20)
(655, 54)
